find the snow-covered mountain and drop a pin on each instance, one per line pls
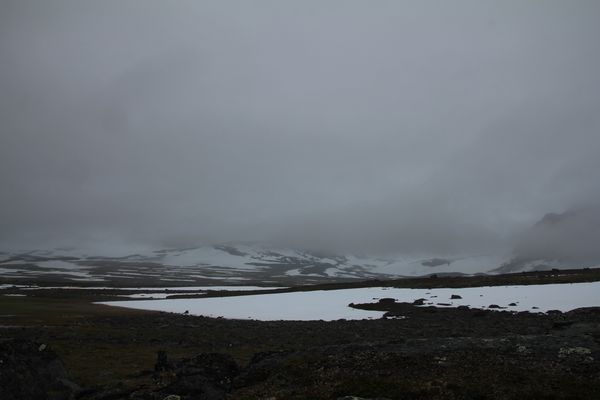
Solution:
(231, 263)
(260, 263)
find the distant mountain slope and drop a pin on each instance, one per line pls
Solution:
(567, 240)
(232, 263)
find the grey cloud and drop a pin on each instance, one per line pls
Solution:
(571, 236)
(409, 126)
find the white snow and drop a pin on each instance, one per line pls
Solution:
(79, 274)
(160, 295)
(90, 279)
(59, 264)
(171, 289)
(176, 280)
(326, 305)
(332, 304)
(293, 272)
(16, 262)
(413, 265)
(209, 256)
(11, 286)
(563, 297)
(7, 271)
(221, 278)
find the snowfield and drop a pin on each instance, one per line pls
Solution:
(333, 304)
(157, 289)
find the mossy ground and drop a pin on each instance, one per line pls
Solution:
(101, 345)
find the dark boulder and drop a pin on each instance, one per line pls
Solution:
(162, 362)
(32, 371)
(455, 296)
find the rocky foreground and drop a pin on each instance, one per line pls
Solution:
(412, 353)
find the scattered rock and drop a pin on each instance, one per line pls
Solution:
(207, 376)
(568, 351)
(455, 296)
(440, 360)
(576, 354)
(562, 324)
(523, 350)
(419, 302)
(512, 304)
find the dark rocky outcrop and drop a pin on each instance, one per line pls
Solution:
(207, 376)
(162, 362)
(32, 371)
(387, 300)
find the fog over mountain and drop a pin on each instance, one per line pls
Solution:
(388, 126)
(571, 236)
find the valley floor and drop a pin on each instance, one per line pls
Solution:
(411, 353)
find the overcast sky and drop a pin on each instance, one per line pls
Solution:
(440, 126)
